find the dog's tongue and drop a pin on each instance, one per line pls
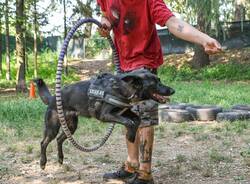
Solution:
(160, 98)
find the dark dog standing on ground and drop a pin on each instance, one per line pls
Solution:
(106, 97)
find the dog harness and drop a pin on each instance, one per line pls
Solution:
(98, 96)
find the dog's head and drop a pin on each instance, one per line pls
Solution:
(147, 86)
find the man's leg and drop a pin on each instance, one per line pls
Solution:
(149, 117)
(145, 145)
(133, 150)
(146, 148)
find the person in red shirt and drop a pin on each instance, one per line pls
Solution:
(135, 36)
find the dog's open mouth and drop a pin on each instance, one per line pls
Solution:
(159, 98)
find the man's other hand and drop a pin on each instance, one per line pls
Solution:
(104, 31)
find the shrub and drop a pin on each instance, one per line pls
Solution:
(230, 71)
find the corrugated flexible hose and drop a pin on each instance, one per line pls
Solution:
(59, 84)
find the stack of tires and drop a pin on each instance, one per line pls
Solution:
(179, 113)
(238, 112)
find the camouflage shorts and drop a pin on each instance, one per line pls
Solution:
(148, 112)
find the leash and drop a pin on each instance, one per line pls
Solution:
(59, 86)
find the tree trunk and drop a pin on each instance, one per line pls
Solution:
(86, 11)
(20, 60)
(7, 40)
(35, 39)
(240, 10)
(1, 48)
(25, 42)
(200, 58)
(65, 34)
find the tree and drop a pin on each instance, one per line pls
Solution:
(240, 10)
(206, 11)
(35, 24)
(7, 40)
(64, 3)
(25, 32)
(203, 14)
(20, 60)
(35, 17)
(64, 35)
(1, 40)
(84, 10)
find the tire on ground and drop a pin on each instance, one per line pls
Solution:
(233, 116)
(204, 113)
(174, 115)
(241, 107)
(181, 106)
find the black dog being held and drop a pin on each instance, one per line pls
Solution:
(105, 97)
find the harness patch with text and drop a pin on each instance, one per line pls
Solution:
(96, 93)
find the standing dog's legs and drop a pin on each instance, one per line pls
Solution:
(51, 130)
(72, 124)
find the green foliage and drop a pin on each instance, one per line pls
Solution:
(47, 64)
(22, 115)
(95, 45)
(230, 71)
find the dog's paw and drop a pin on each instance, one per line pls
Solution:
(130, 123)
(42, 167)
(43, 163)
(60, 161)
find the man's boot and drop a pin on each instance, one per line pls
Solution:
(126, 172)
(141, 177)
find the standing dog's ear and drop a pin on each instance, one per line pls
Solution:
(114, 83)
(134, 80)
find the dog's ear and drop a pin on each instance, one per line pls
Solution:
(114, 83)
(135, 80)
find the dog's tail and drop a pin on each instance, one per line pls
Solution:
(43, 91)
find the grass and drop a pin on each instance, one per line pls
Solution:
(47, 63)
(216, 157)
(20, 115)
(181, 158)
(231, 71)
(206, 92)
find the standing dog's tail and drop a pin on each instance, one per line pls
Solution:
(43, 91)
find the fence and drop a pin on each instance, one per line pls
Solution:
(231, 35)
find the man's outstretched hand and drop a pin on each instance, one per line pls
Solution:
(211, 46)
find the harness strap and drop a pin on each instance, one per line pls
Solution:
(116, 101)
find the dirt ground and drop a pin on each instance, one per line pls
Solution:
(87, 68)
(182, 155)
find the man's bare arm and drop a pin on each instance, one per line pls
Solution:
(187, 32)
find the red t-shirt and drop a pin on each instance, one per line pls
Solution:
(135, 33)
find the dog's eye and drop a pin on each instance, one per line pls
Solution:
(113, 81)
(157, 79)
